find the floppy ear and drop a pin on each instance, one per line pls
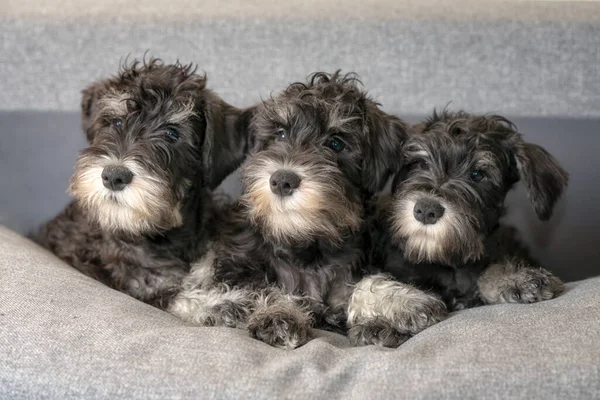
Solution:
(383, 151)
(545, 178)
(226, 140)
(89, 108)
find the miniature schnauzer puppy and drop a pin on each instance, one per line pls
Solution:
(287, 255)
(441, 228)
(159, 141)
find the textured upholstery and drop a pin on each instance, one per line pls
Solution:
(66, 336)
(513, 57)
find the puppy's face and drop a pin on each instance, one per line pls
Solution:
(319, 148)
(450, 193)
(149, 131)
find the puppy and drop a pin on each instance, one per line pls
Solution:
(159, 141)
(287, 255)
(441, 229)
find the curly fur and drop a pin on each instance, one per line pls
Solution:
(301, 254)
(141, 239)
(467, 164)
(387, 313)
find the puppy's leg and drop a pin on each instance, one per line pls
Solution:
(281, 320)
(515, 282)
(386, 313)
(204, 302)
(218, 306)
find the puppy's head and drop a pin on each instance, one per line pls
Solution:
(152, 131)
(319, 148)
(450, 192)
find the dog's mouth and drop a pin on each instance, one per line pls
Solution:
(430, 230)
(301, 211)
(113, 198)
(137, 203)
(297, 200)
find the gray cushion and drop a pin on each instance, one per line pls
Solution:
(63, 335)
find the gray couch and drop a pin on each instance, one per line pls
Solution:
(66, 336)
(63, 335)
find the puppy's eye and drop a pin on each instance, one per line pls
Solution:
(172, 134)
(477, 175)
(456, 130)
(117, 123)
(421, 164)
(281, 134)
(336, 144)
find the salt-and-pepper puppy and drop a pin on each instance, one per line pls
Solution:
(441, 229)
(288, 254)
(159, 141)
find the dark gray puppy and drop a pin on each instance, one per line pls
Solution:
(441, 229)
(287, 256)
(159, 141)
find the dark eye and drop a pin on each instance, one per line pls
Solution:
(335, 144)
(281, 134)
(421, 164)
(477, 175)
(172, 134)
(117, 123)
(456, 130)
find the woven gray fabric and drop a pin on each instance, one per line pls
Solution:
(517, 58)
(64, 336)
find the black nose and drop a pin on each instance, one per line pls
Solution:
(428, 211)
(283, 183)
(115, 177)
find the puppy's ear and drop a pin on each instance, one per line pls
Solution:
(226, 140)
(89, 108)
(545, 178)
(383, 152)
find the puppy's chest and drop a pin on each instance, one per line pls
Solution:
(142, 270)
(313, 274)
(456, 286)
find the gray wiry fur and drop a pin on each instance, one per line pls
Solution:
(297, 257)
(281, 320)
(178, 140)
(385, 312)
(510, 282)
(467, 164)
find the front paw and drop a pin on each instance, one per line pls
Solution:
(532, 285)
(213, 307)
(525, 285)
(279, 328)
(386, 313)
(378, 333)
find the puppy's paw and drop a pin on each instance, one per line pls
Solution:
(377, 332)
(530, 285)
(421, 313)
(524, 285)
(385, 312)
(214, 307)
(279, 328)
